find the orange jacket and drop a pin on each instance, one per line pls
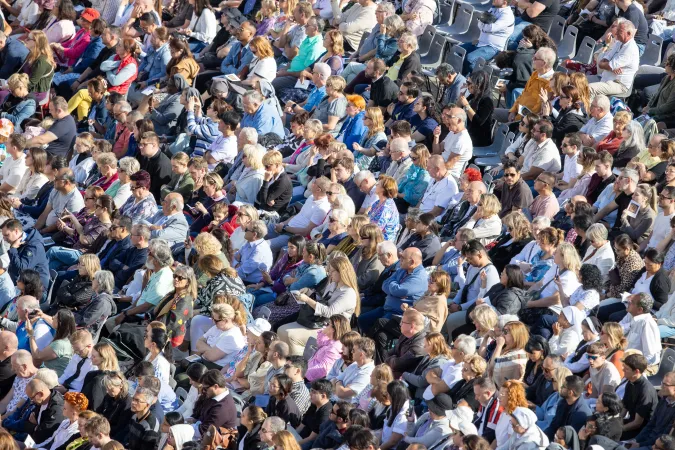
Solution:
(530, 96)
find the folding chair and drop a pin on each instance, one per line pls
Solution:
(461, 23)
(446, 14)
(667, 365)
(434, 56)
(497, 143)
(472, 34)
(455, 57)
(557, 30)
(586, 50)
(424, 41)
(568, 45)
(652, 54)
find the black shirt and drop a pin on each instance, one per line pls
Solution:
(636, 16)
(383, 92)
(65, 130)
(159, 168)
(640, 398)
(622, 200)
(544, 19)
(481, 121)
(105, 54)
(313, 419)
(6, 376)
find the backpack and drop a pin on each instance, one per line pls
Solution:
(219, 437)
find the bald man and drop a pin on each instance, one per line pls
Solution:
(409, 349)
(457, 216)
(400, 156)
(406, 285)
(9, 344)
(47, 417)
(546, 203)
(441, 188)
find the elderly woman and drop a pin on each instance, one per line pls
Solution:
(205, 244)
(255, 256)
(406, 59)
(18, 105)
(332, 110)
(612, 141)
(338, 222)
(600, 253)
(221, 343)
(527, 434)
(418, 14)
(245, 215)
(353, 127)
(120, 189)
(567, 331)
(141, 205)
(175, 310)
(116, 403)
(511, 243)
(74, 403)
(632, 145)
(384, 213)
(485, 222)
(251, 178)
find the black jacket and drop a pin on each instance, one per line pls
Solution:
(506, 300)
(127, 263)
(482, 120)
(522, 68)
(659, 287)
(280, 191)
(94, 389)
(407, 354)
(428, 245)
(251, 439)
(29, 255)
(76, 293)
(373, 296)
(50, 419)
(117, 412)
(411, 63)
(159, 168)
(93, 316)
(463, 390)
(568, 121)
(501, 254)
(539, 391)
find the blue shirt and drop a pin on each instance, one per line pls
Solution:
(265, 120)
(89, 55)
(314, 98)
(452, 92)
(449, 262)
(352, 130)
(403, 112)
(403, 287)
(155, 62)
(254, 257)
(237, 59)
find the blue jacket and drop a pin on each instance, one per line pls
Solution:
(573, 415)
(29, 255)
(12, 58)
(403, 287)
(154, 64)
(265, 120)
(307, 276)
(233, 63)
(386, 47)
(20, 112)
(206, 131)
(127, 263)
(89, 55)
(352, 130)
(414, 184)
(546, 412)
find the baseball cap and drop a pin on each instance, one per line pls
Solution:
(90, 14)
(259, 326)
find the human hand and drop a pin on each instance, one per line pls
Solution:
(512, 116)
(437, 132)
(454, 307)
(278, 227)
(201, 208)
(119, 319)
(483, 280)
(556, 328)
(480, 301)
(404, 306)
(500, 340)
(617, 71)
(462, 101)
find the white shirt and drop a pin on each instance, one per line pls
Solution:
(30, 185)
(12, 170)
(439, 193)
(313, 211)
(76, 385)
(223, 149)
(544, 156)
(598, 129)
(451, 374)
(643, 334)
(624, 56)
(229, 342)
(642, 284)
(568, 280)
(526, 254)
(265, 68)
(356, 378)
(458, 144)
(660, 230)
(399, 425)
(162, 367)
(369, 200)
(572, 168)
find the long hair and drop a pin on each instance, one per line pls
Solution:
(65, 324)
(183, 47)
(374, 235)
(398, 393)
(108, 355)
(41, 49)
(344, 267)
(376, 117)
(481, 81)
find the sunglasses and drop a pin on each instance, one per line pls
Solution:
(179, 277)
(330, 193)
(510, 175)
(592, 357)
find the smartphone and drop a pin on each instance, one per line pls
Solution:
(411, 408)
(34, 313)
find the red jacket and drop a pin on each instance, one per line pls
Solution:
(124, 87)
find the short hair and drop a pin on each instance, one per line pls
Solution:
(645, 301)
(545, 127)
(97, 425)
(548, 55)
(626, 24)
(60, 103)
(602, 102)
(409, 39)
(574, 139)
(161, 251)
(298, 362)
(596, 233)
(466, 344)
(322, 386)
(105, 280)
(323, 70)
(276, 424)
(273, 157)
(231, 119)
(575, 384)
(129, 165)
(142, 230)
(253, 96)
(596, 348)
(636, 362)
(367, 346)
(485, 383)
(379, 66)
(213, 377)
(48, 377)
(281, 348)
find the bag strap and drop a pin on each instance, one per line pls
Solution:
(465, 291)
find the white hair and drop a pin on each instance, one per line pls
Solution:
(602, 102)
(249, 134)
(506, 318)
(466, 344)
(547, 55)
(341, 216)
(362, 175)
(345, 203)
(387, 247)
(542, 220)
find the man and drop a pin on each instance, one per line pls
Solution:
(114, 246)
(489, 411)
(432, 426)
(331, 432)
(170, 224)
(383, 90)
(600, 124)
(355, 21)
(451, 371)
(277, 189)
(546, 203)
(538, 392)
(400, 157)
(223, 150)
(448, 257)
(48, 414)
(110, 38)
(181, 181)
(295, 368)
(9, 344)
(406, 285)
(64, 197)
(60, 137)
(403, 108)
(320, 74)
(41, 332)
(604, 375)
(270, 427)
(657, 171)
(318, 413)
(452, 81)
(542, 62)
(409, 350)
(640, 398)
(12, 56)
(277, 355)
(441, 189)
(541, 154)
(457, 147)
(365, 440)
(26, 251)
(144, 425)
(14, 166)
(571, 147)
(665, 213)
(294, 31)
(344, 172)
(572, 409)
(536, 12)
(155, 162)
(255, 256)
(365, 180)
(493, 35)
(662, 420)
(97, 430)
(122, 133)
(22, 362)
(628, 181)
(368, 46)
(260, 115)
(515, 194)
(240, 54)
(312, 214)
(80, 364)
(349, 384)
(311, 47)
(218, 406)
(641, 329)
(481, 272)
(617, 66)
(602, 177)
(125, 265)
(373, 297)
(163, 393)
(460, 214)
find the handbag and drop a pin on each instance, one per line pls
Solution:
(614, 277)
(219, 437)
(530, 316)
(307, 317)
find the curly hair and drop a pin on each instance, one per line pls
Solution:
(516, 395)
(76, 399)
(590, 277)
(473, 174)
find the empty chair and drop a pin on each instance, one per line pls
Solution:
(472, 34)
(424, 41)
(434, 56)
(586, 50)
(652, 53)
(455, 57)
(461, 23)
(557, 30)
(447, 11)
(480, 64)
(496, 146)
(667, 365)
(568, 45)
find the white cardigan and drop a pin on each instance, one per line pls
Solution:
(204, 27)
(485, 230)
(603, 259)
(666, 315)
(566, 342)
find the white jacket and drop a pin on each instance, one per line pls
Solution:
(204, 27)
(666, 315)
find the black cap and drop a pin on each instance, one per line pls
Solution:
(440, 404)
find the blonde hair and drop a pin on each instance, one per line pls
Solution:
(490, 205)
(87, 139)
(42, 48)
(273, 157)
(337, 43)
(226, 312)
(213, 179)
(249, 211)
(485, 316)
(108, 355)
(207, 244)
(377, 118)
(438, 345)
(359, 221)
(518, 224)
(91, 264)
(569, 256)
(559, 375)
(16, 80)
(383, 372)
(344, 267)
(285, 440)
(337, 83)
(476, 364)
(615, 337)
(649, 191)
(519, 333)
(254, 156)
(623, 117)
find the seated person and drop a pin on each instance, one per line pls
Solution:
(181, 180)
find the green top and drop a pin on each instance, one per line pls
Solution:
(64, 352)
(309, 51)
(112, 190)
(41, 73)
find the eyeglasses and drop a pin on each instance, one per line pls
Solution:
(330, 192)
(332, 219)
(268, 167)
(135, 188)
(179, 277)
(90, 198)
(542, 181)
(564, 97)
(415, 158)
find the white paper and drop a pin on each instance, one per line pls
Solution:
(302, 85)
(523, 110)
(148, 90)
(30, 443)
(633, 209)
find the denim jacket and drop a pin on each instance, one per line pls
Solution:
(233, 62)
(308, 276)
(386, 47)
(154, 63)
(89, 55)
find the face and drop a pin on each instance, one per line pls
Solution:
(651, 266)
(341, 173)
(670, 173)
(668, 386)
(568, 148)
(508, 337)
(180, 281)
(511, 176)
(82, 350)
(538, 63)
(596, 361)
(70, 412)
(274, 387)
(599, 406)
(96, 358)
(250, 107)
(139, 403)
(408, 328)
(535, 355)
(266, 433)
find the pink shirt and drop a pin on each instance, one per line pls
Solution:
(328, 352)
(546, 206)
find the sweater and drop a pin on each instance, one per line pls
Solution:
(660, 423)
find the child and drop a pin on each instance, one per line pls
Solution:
(219, 213)
(266, 17)
(170, 419)
(82, 162)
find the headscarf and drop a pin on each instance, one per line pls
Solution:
(181, 434)
(571, 438)
(574, 316)
(527, 419)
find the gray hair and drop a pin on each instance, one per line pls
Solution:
(388, 8)
(506, 318)
(161, 251)
(547, 55)
(542, 220)
(602, 102)
(276, 424)
(445, 70)
(124, 106)
(148, 394)
(414, 214)
(387, 247)
(141, 230)
(105, 280)
(129, 165)
(409, 39)
(176, 202)
(259, 228)
(632, 174)
(645, 301)
(29, 301)
(596, 233)
(395, 25)
(48, 377)
(626, 24)
(254, 96)
(636, 138)
(459, 112)
(341, 216)
(466, 344)
(345, 203)
(363, 175)
(249, 134)
(323, 70)
(466, 234)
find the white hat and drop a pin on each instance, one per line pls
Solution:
(459, 415)
(259, 326)
(467, 428)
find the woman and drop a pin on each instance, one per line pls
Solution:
(103, 356)
(425, 238)
(587, 296)
(58, 353)
(366, 150)
(547, 411)
(141, 205)
(116, 406)
(284, 439)
(19, 104)
(411, 189)
(405, 60)
(252, 419)
(333, 42)
(281, 402)
(263, 66)
(73, 404)
(122, 69)
(226, 333)
(213, 188)
(175, 310)
(485, 222)
(600, 253)
(633, 143)
(548, 241)
(106, 167)
(220, 278)
(33, 179)
(251, 178)
(40, 64)
(436, 354)
(608, 409)
(159, 353)
(509, 295)
(483, 320)
(329, 348)
(478, 107)
(70, 50)
(365, 261)
(510, 244)
(661, 153)
(658, 107)
(195, 371)
(396, 422)
(120, 189)
(342, 297)
(76, 293)
(418, 14)
(579, 185)
(434, 303)
(577, 361)
(82, 163)
(511, 396)
(527, 434)
(509, 358)
(203, 25)
(251, 372)
(285, 266)
(384, 213)
(613, 338)
(570, 116)
(537, 350)
(639, 228)
(180, 435)
(95, 110)
(354, 126)
(629, 266)
(613, 140)
(338, 222)
(424, 122)
(567, 331)
(60, 27)
(332, 110)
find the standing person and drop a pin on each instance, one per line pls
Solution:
(478, 106)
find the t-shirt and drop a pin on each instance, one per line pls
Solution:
(12, 170)
(568, 281)
(64, 351)
(383, 92)
(637, 17)
(458, 144)
(640, 398)
(425, 127)
(660, 229)
(58, 201)
(65, 131)
(544, 19)
(399, 425)
(314, 211)
(313, 419)
(230, 342)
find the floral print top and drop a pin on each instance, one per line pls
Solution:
(385, 215)
(539, 267)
